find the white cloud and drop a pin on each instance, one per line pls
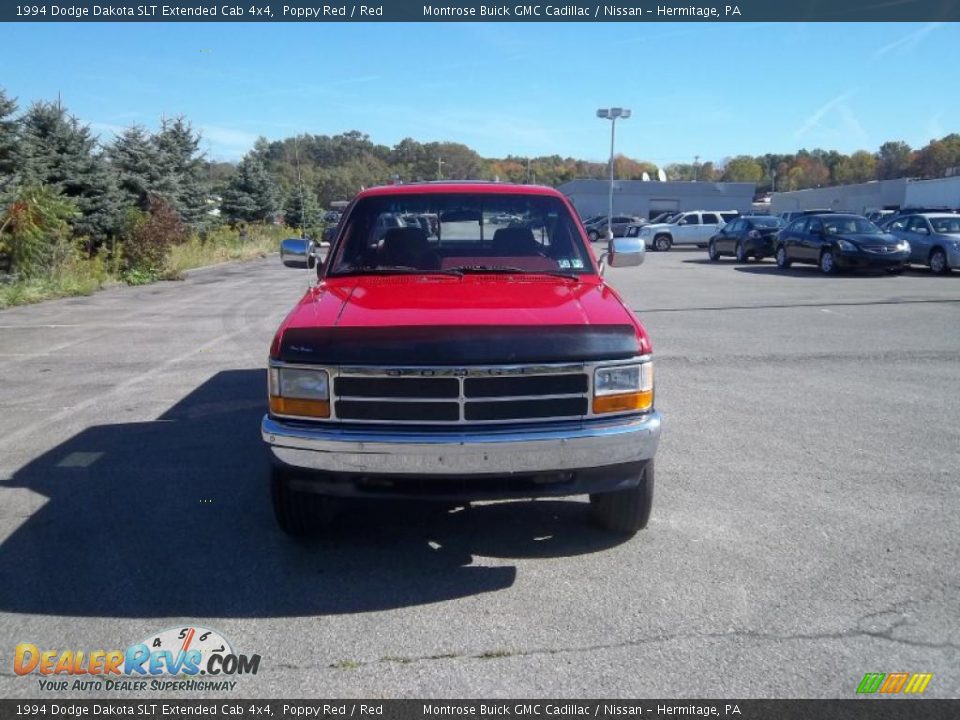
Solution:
(907, 42)
(227, 143)
(813, 121)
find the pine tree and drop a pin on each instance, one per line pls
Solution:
(303, 216)
(8, 139)
(178, 147)
(136, 161)
(56, 150)
(251, 195)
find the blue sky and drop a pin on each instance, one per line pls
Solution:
(708, 89)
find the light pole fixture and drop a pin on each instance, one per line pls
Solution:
(612, 114)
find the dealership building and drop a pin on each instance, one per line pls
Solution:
(876, 195)
(649, 199)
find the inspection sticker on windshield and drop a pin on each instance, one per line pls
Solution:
(563, 263)
(576, 263)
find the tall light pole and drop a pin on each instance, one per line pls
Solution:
(612, 114)
(440, 164)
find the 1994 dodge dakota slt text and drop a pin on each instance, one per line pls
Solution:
(461, 344)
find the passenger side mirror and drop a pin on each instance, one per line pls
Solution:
(298, 253)
(626, 251)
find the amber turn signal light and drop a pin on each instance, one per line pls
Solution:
(298, 407)
(635, 401)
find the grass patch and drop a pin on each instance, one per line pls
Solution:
(345, 665)
(396, 659)
(86, 276)
(223, 245)
(78, 277)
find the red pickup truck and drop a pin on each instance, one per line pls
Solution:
(461, 344)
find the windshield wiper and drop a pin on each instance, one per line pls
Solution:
(510, 269)
(395, 270)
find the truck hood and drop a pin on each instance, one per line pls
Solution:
(475, 318)
(658, 226)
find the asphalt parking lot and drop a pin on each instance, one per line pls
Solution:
(804, 532)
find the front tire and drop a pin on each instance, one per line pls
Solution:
(299, 514)
(783, 260)
(662, 243)
(938, 262)
(593, 235)
(625, 511)
(712, 252)
(828, 263)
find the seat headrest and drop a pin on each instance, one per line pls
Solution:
(514, 241)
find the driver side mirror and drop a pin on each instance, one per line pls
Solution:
(302, 252)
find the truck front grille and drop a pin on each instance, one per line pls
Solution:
(461, 395)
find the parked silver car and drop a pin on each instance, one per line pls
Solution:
(598, 230)
(934, 239)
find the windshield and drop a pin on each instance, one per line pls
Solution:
(850, 226)
(765, 222)
(946, 226)
(457, 233)
(664, 217)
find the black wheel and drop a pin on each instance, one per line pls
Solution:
(298, 513)
(828, 263)
(783, 261)
(625, 511)
(662, 243)
(742, 253)
(938, 262)
(712, 252)
(593, 235)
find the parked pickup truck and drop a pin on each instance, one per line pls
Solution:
(480, 362)
(695, 227)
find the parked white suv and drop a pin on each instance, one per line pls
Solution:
(694, 227)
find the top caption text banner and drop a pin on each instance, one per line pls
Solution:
(468, 11)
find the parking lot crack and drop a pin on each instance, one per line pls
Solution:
(499, 654)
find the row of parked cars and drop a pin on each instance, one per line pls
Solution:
(693, 227)
(835, 241)
(844, 241)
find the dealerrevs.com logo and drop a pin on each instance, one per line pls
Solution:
(178, 659)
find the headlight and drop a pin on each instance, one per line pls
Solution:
(847, 245)
(623, 388)
(903, 245)
(302, 392)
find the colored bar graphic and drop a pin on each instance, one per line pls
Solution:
(918, 683)
(913, 683)
(871, 683)
(894, 682)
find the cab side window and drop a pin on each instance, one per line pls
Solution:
(710, 219)
(918, 225)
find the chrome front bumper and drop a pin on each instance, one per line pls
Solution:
(528, 449)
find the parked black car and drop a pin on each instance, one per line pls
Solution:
(838, 242)
(746, 237)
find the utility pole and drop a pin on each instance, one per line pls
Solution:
(612, 114)
(440, 164)
(696, 168)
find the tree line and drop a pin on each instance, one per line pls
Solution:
(62, 190)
